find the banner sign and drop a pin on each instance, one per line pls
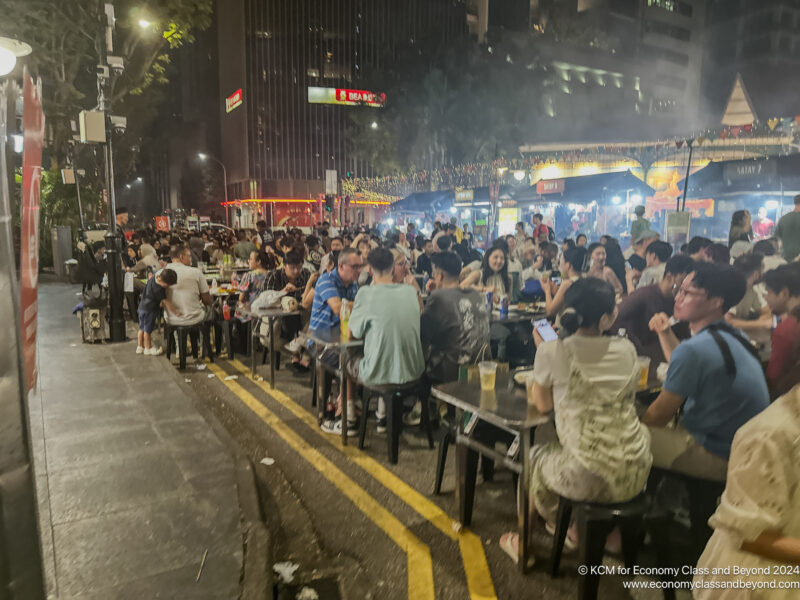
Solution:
(33, 130)
(322, 95)
(233, 101)
(291, 215)
(550, 186)
(162, 223)
(464, 195)
(745, 169)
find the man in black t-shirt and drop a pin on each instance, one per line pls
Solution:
(636, 310)
(454, 324)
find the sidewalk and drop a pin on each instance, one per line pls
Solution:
(133, 484)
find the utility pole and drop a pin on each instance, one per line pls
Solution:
(111, 66)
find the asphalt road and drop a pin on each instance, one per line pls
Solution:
(349, 516)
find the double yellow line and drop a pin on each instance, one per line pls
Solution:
(479, 580)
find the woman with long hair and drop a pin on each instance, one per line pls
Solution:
(597, 268)
(741, 228)
(572, 263)
(615, 260)
(493, 274)
(589, 380)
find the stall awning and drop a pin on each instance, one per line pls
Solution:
(742, 176)
(425, 201)
(600, 188)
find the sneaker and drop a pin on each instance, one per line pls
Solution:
(139, 350)
(381, 425)
(412, 418)
(154, 351)
(334, 426)
(294, 347)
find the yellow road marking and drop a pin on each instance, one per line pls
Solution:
(420, 566)
(479, 578)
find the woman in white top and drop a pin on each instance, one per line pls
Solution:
(493, 274)
(589, 380)
(757, 523)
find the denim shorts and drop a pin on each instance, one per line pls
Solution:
(147, 321)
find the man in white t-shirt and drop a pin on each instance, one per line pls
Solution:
(190, 295)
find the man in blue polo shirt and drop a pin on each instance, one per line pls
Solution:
(333, 287)
(332, 290)
(716, 376)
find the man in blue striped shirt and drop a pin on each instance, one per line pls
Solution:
(333, 287)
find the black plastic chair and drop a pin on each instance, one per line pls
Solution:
(394, 395)
(188, 331)
(595, 521)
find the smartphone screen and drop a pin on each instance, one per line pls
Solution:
(545, 330)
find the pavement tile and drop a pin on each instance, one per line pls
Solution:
(98, 446)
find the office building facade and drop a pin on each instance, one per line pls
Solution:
(290, 72)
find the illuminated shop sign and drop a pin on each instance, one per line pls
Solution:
(321, 95)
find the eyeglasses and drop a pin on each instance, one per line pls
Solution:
(684, 291)
(355, 267)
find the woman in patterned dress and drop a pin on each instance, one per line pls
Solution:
(589, 380)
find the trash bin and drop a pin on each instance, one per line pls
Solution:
(62, 249)
(71, 270)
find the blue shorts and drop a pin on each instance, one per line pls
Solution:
(147, 321)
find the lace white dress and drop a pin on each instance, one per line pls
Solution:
(603, 452)
(762, 493)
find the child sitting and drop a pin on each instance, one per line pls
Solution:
(153, 299)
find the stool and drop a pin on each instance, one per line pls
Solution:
(595, 521)
(394, 395)
(192, 331)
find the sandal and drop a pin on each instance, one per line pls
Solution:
(509, 543)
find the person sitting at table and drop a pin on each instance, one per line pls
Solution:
(333, 289)
(387, 317)
(252, 283)
(336, 246)
(492, 275)
(714, 379)
(401, 273)
(571, 268)
(597, 267)
(756, 524)
(244, 247)
(656, 257)
(589, 381)
(190, 294)
(637, 309)
(751, 314)
(424, 259)
(294, 280)
(783, 299)
(454, 323)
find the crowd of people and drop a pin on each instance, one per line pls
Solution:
(720, 325)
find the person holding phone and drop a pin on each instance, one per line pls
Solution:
(603, 451)
(571, 268)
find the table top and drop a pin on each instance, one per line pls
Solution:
(331, 338)
(515, 316)
(274, 312)
(502, 406)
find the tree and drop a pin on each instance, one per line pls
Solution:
(449, 105)
(68, 37)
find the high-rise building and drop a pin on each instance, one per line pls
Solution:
(290, 72)
(759, 39)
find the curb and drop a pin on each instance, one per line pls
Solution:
(257, 581)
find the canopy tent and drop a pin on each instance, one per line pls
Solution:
(425, 201)
(601, 187)
(765, 175)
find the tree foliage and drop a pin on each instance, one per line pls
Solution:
(449, 105)
(68, 40)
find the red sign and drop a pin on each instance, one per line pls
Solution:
(162, 223)
(360, 97)
(292, 215)
(33, 129)
(550, 186)
(233, 101)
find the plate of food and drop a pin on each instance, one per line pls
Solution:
(521, 376)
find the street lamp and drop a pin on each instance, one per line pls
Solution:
(10, 50)
(144, 23)
(374, 125)
(203, 156)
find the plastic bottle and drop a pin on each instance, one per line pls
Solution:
(344, 321)
(214, 284)
(226, 311)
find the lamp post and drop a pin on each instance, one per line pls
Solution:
(203, 156)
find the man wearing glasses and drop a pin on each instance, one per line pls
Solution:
(715, 378)
(335, 287)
